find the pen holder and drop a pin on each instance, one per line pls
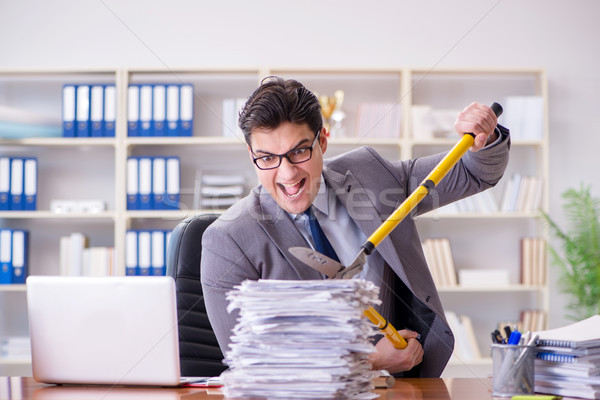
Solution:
(513, 369)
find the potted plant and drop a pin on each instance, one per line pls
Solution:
(579, 260)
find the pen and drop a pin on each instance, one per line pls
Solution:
(497, 337)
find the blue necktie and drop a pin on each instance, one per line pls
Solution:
(322, 244)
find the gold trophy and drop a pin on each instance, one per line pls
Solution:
(331, 110)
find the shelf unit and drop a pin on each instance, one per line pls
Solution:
(94, 168)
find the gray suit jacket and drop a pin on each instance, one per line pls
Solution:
(251, 240)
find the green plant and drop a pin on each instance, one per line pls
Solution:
(579, 260)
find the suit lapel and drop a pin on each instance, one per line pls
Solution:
(351, 193)
(281, 230)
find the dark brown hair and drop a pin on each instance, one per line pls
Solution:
(276, 101)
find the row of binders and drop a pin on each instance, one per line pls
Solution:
(18, 184)
(146, 252)
(153, 183)
(77, 258)
(89, 110)
(14, 246)
(160, 110)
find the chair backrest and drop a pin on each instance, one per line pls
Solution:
(199, 352)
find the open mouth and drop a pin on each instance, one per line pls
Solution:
(292, 190)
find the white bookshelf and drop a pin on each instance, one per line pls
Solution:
(94, 168)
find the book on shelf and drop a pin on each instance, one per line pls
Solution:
(18, 183)
(14, 256)
(522, 194)
(483, 202)
(146, 251)
(465, 346)
(77, 258)
(160, 109)
(89, 110)
(153, 183)
(568, 360)
(533, 261)
(438, 254)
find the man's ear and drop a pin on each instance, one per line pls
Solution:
(323, 140)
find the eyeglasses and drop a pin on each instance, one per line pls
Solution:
(295, 156)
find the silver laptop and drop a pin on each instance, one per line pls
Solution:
(103, 330)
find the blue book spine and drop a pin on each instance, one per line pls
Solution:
(172, 183)
(133, 194)
(173, 120)
(97, 111)
(30, 184)
(145, 183)
(20, 256)
(159, 182)
(158, 253)
(110, 110)
(4, 183)
(144, 253)
(69, 107)
(6, 272)
(159, 109)
(83, 111)
(131, 253)
(16, 184)
(133, 110)
(186, 110)
(145, 111)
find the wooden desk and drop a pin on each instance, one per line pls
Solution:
(404, 389)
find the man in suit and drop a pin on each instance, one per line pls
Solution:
(350, 195)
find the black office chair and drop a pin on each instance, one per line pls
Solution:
(199, 353)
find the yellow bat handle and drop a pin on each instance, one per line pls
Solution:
(434, 177)
(386, 328)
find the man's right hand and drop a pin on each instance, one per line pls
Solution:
(395, 360)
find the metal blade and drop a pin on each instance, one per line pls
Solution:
(316, 260)
(354, 268)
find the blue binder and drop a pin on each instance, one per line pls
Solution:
(158, 253)
(144, 252)
(173, 186)
(145, 124)
(20, 249)
(145, 182)
(131, 253)
(173, 110)
(69, 106)
(133, 195)
(4, 183)
(110, 110)
(159, 182)
(6, 272)
(16, 184)
(83, 111)
(159, 110)
(30, 184)
(97, 111)
(133, 110)
(186, 110)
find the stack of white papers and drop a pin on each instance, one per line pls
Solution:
(301, 340)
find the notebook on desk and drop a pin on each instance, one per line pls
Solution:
(104, 330)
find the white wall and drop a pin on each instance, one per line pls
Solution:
(560, 36)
